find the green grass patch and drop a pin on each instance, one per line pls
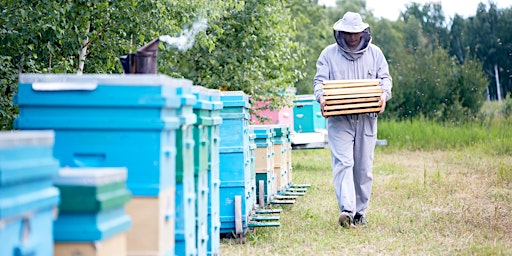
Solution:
(492, 136)
(439, 189)
(442, 202)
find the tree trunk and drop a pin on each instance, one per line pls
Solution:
(83, 52)
(497, 77)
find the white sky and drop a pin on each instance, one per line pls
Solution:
(390, 9)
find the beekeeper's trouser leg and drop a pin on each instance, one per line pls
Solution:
(352, 141)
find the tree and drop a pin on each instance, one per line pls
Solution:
(84, 36)
(488, 38)
(314, 33)
(428, 82)
(457, 31)
(432, 21)
(254, 52)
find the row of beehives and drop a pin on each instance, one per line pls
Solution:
(158, 167)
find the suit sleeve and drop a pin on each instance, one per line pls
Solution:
(322, 74)
(383, 73)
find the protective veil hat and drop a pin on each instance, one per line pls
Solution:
(351, 23)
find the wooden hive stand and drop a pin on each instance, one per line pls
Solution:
(343, 97)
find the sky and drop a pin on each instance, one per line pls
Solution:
(390, 9)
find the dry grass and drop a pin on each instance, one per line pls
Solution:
(423, 203)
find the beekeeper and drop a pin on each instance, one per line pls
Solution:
(352, 137)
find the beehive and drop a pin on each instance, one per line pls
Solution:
(235, 172)
(307, 116)
(185, 232)
(203, 110)
(264, 161)
(118, 120)
(155, 223)
(92, 212)
(110, 121)
(213, 174)
(27, 196)
(345, 97)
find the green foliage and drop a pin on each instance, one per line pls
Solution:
(84, 36)
(423, 134)
(432, 21)
(8, 74)
(507, 107)
(254, 52)
(433, 85)
(487, 37)
(388, 35)
(314, 33)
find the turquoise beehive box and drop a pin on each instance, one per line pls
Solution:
(108, 121)
(307, 115)
(28, 200)
(117, 120)
(235, 161)
(213, 246)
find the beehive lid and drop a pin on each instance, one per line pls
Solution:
(89, 176)
(235, 99)
(202, 97)
(104, 90)
(262, 131)
(11, 139)
(90, 81)
(215, 99)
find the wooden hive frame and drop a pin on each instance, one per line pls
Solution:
(343, 97)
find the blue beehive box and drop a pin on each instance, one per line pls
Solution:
(280, 144)
(87, 227)
(27, 197)
(108, 121)
(235, 105)
(235, 161)
(205, 121)
(213, 175)
(185, 232)
(252, 170)
(264, 161)
(307, 115)
(116, 120)
(264, 135)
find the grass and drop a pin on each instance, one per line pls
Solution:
(491, 134)
(423, 203)
(442, 195)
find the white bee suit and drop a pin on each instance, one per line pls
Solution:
(352, 138)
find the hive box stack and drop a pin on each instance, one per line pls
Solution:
(264, 159)
(112, 121)
(186, 196)
(28, 200)
(92, 218)
(252, 167)
(287, 141)
(235, 181)
(344, 97)
(203, 110)
(213, 174)
(280, 154)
